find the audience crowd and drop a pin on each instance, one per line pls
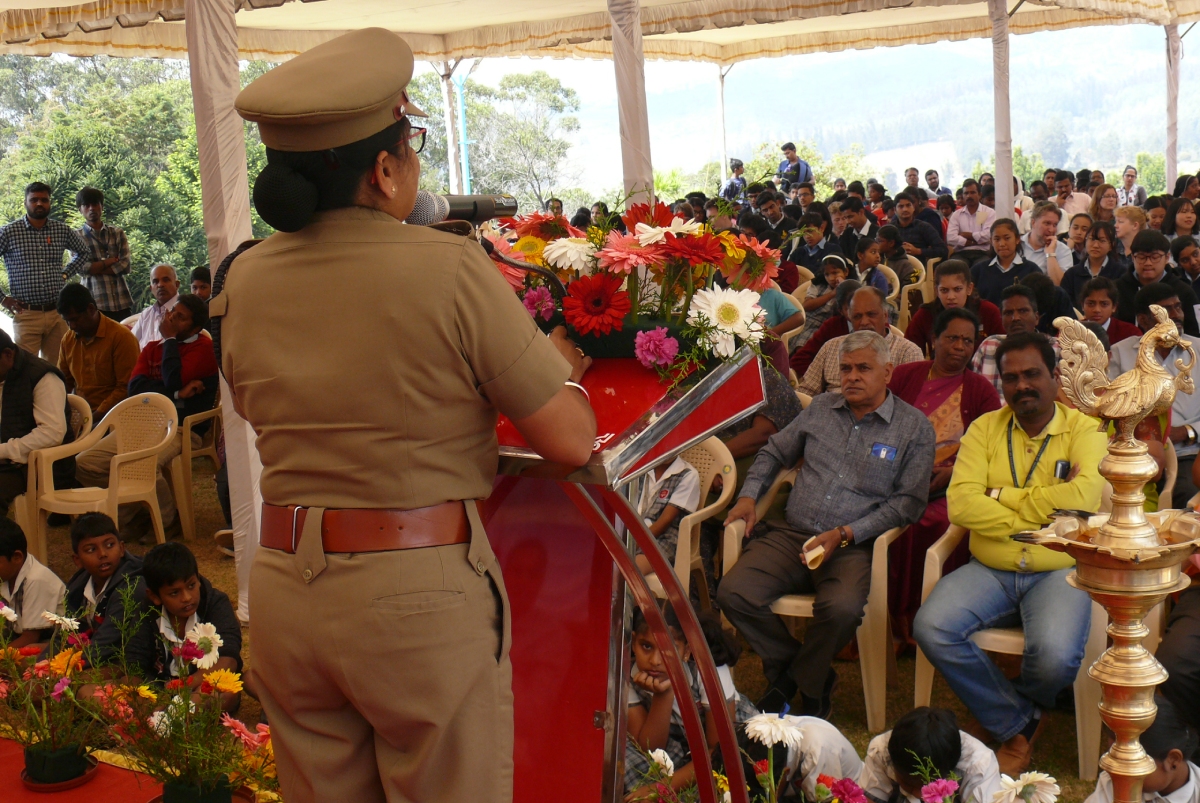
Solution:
(958, 419)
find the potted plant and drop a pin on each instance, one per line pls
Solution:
(39, 708)
(180, 736)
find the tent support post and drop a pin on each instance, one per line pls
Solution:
(629, 65)
(1174, 54)
(721, 73)
(453, 177)
(212, 43)
(998, 12)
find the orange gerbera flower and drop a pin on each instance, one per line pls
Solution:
(659, 216)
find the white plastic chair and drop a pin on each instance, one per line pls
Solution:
(131, 320)
(23, 506)
(918, 275)
(1011, 641)
(806, 275)
(874, 640)
(208, 448)
(929, 286)
(893, 281)
(711, 459)
(144, 426)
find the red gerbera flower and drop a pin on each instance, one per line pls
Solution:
(596, 304)
(695, 249)
(661, 215)
(542, 224)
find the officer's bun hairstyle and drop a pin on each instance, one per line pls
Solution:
(926, 734)
(168, 563)
(295, 185)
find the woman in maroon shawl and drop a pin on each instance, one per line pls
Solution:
(951, 396)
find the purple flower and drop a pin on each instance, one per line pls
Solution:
(938, 791)
(539, 302)
(847, 791)
(60, 687)
(655, 347)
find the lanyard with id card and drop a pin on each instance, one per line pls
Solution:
(1062, 468)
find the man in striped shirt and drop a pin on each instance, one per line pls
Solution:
(105, 274)
(32, 248)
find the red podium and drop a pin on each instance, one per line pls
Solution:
(560, 535)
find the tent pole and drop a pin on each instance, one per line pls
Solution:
(721, 73)
(212, 44)
(446, 71)
(460, 83)
(998, 11)
(1174, 54)
(629, 67)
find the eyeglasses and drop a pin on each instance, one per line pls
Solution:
(416, 139)
(1149, 256)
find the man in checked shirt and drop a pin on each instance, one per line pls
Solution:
(32, 248)
(105, 274)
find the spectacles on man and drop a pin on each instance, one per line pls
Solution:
(1148, 256)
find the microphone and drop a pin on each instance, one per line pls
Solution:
(430, 208)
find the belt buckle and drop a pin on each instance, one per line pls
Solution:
(295, 513)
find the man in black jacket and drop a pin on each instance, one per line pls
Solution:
(1150, 251)
(33, 415)
(858, 224)
(917, 237)
(105, 568)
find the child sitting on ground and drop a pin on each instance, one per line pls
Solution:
(104, 568)
(175, 599)
(28, 588)
(668, 492)
(1169, 741)
(654, 718)
(928, 736)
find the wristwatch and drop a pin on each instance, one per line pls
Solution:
(845, 537)
(1191, 434)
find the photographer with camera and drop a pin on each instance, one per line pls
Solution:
(379, 631)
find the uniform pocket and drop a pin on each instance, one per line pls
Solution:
(420, 602)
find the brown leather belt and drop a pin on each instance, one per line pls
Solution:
(354, 530)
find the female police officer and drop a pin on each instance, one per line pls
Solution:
(371, 357)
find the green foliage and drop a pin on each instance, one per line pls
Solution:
(1027, 168)
(1152, 172)
(848, 165)
(670, 185)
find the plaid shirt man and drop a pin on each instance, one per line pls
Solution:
(33, 258)
(984, 361)
(825, 373)
(109, 290)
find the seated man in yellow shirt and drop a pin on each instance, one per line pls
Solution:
(1015, 467)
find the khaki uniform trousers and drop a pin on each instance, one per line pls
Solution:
(40, 332)
(385, 675)
(91, 470)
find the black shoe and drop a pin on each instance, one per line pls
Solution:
(58, 520)
(822, 708)
(779, 694)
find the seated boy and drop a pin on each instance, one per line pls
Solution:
(1098, 301)
(28, 587)
(104, 568)
(1169, 741)
(669, 491)
(932, 736)
(202, 282)
(175, 598)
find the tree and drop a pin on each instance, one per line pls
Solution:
(847, 164)
(1152, 172)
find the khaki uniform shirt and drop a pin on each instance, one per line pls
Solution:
(100, 367)
(371, 357)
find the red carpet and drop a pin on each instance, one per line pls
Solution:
(111, 784)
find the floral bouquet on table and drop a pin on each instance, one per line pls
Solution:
(179, 735)
(647, 293)
(39, 709)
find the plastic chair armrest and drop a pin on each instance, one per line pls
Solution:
(884, 541)
(936, 556)
(764, 503)
(732, 544)
(198, 418)
(689, 527)
(48, 456)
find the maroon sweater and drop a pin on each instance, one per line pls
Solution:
(978, 396)
(920, 328)
(1119, 330)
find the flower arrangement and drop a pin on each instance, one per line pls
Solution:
(647, 293)
(835, 790)
(770, 730)
(40, 708)
(1031, 787)
(934, 788)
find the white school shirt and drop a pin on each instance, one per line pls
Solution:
(167, 630)
(49, 418)
(686, 496)
(978, 771)
(1188, 793)
(823, 751)
(34, 591)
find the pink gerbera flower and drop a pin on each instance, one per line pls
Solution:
(514, 276)
(622, 253)
(539, 302)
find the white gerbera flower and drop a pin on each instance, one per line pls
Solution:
(732, 313)
(569, 253)
(1031, 787)
(680, 226)
(661, 758)
(7, 612)
(204, 635)
(772, 729)
(67, 624)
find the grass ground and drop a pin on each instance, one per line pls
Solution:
(1055, 754)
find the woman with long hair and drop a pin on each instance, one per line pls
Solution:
(1181, 219)
(1104, 203)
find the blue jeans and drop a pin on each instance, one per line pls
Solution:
(1055, 617)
